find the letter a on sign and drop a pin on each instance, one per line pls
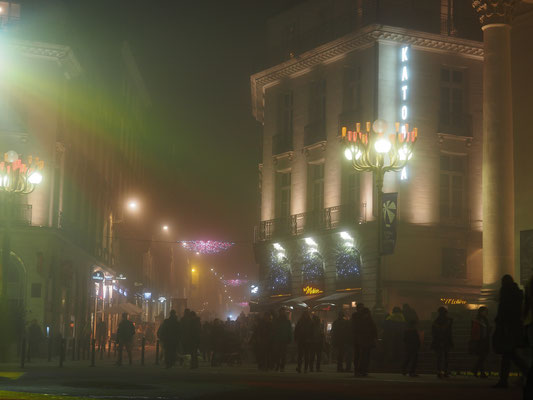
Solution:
(404, 74)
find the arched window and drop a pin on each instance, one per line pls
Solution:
(313, 270)
(348, 265)
(279, 274)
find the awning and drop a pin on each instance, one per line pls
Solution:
(332, 298)
(129, 308)
(300, 301)
(271, 303)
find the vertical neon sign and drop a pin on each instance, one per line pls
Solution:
(405, 95)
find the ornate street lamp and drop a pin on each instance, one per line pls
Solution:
(372, 150)
(16, 178)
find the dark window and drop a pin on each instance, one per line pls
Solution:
(316, 180)
(36, 290)
(453, 118)
(351, 89)
(283, 208)
(282, 140)
(454, 263)
(452, 188)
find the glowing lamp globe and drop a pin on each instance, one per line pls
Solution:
(348, 154)
(379, 126)
(382, 145)
(12, 156)
(35, 178)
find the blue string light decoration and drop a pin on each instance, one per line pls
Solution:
(348, 265)
(313, 270)
(279, 274)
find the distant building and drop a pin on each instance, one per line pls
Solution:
(335, 63)
(64, 269)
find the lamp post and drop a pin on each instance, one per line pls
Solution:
(16, 178)
(371, 150)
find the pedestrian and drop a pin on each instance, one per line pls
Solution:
(35, 338)
(442, 341)
(341, 337)
(282, 336)
(509, 332)
(410, 315)
(365, 337)
(302, 336)
(479, 344)
(217, 342)
(101, 335)
(528, 323)
(317, 344)
(411, 340)
(393, 335)
(169, 335)
(263, 338)
(125, 333)
(191, 330)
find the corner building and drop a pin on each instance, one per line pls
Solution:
(333, 64)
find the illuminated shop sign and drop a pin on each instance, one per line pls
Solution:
(98, 276)
(312, 290)
(405, 96)
(452, 301)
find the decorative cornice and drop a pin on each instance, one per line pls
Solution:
(494, 11)
(358, 40)
(63, 55)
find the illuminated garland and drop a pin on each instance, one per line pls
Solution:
(279, 275)
(313, 270)
(348, 263)
(235, 282)
(206, 246)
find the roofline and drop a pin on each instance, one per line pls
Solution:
(360, 39)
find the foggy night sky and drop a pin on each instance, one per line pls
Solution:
(196, 58)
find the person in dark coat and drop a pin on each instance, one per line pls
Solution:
(125, 333)
(35, 337)
(509, 331)
(263, 341)
(411, 340)
(528, 324)
(281, 337)
(393, 335)
(442, 341)
(480, 341)
(365, 337)
(341, 338)
(302, 336)
(317, 344)
(169, 336)
(191, 331)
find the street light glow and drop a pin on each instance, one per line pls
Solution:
(165, 228)
(35, 178)
(382, 145)
(133, 205)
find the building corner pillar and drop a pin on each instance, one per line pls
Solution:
(498, 170)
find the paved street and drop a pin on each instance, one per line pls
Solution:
(245, 382)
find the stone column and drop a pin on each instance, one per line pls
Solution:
(498, 172)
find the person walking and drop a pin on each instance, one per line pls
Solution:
(479, 344)
(365, 337)
(317, 344)
(509, 330)
(528, 323)
(411, 340)
(341, 337)
(169, 336)
(191, 331)
(442, 341)
(35, 338)
(393, 335)
(263, 341)
(302, 336)
(125, 333)
(282, 336)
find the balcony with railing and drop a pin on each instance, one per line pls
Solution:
(309, 222)
(281, 143)
(455, 124)
(314, 132)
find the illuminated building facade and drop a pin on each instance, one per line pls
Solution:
(63, 262)
(333, 64)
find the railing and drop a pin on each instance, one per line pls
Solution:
(314, 132)
(298, 224)
(19, 215)
(455, 124)
(281, 143)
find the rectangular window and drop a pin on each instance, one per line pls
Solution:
(282, 140)
(283, 207)
(351, 88)
(454, 263)
(36, 290)
(317, 105)
(452, 115)
(452, 188)
(316, 182)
